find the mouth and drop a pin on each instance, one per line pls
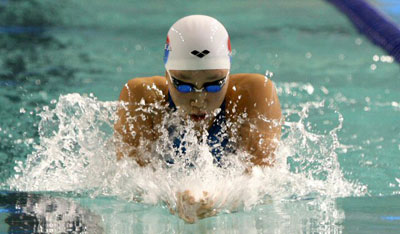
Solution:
(198, 117)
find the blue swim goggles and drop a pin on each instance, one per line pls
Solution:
(211, 87)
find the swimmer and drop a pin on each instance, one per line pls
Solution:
(199, 86)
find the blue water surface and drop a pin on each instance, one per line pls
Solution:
(52, 48)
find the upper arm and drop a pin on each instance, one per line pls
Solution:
(261, 121)
(261, 105)
(134, 115)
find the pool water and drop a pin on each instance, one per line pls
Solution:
(63, 64)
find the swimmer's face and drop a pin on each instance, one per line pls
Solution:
(198, 104)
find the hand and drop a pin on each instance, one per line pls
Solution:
(191, 210)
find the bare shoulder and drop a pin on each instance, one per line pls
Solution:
(250, 88)
(250, 82)
(252, 94)
(151, 89)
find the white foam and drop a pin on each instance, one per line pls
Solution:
(76, 153)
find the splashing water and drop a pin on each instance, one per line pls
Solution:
(76, 153)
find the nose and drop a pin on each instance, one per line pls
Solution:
(199, 100)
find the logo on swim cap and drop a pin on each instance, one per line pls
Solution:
(200, 54)
(199, 42)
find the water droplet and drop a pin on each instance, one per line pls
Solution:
(268, 74)
(309, 88)
(324, 90)
(138, 47)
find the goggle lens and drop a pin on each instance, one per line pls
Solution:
(184, 88)
(213, 88)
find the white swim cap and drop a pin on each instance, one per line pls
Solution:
(197, 42)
